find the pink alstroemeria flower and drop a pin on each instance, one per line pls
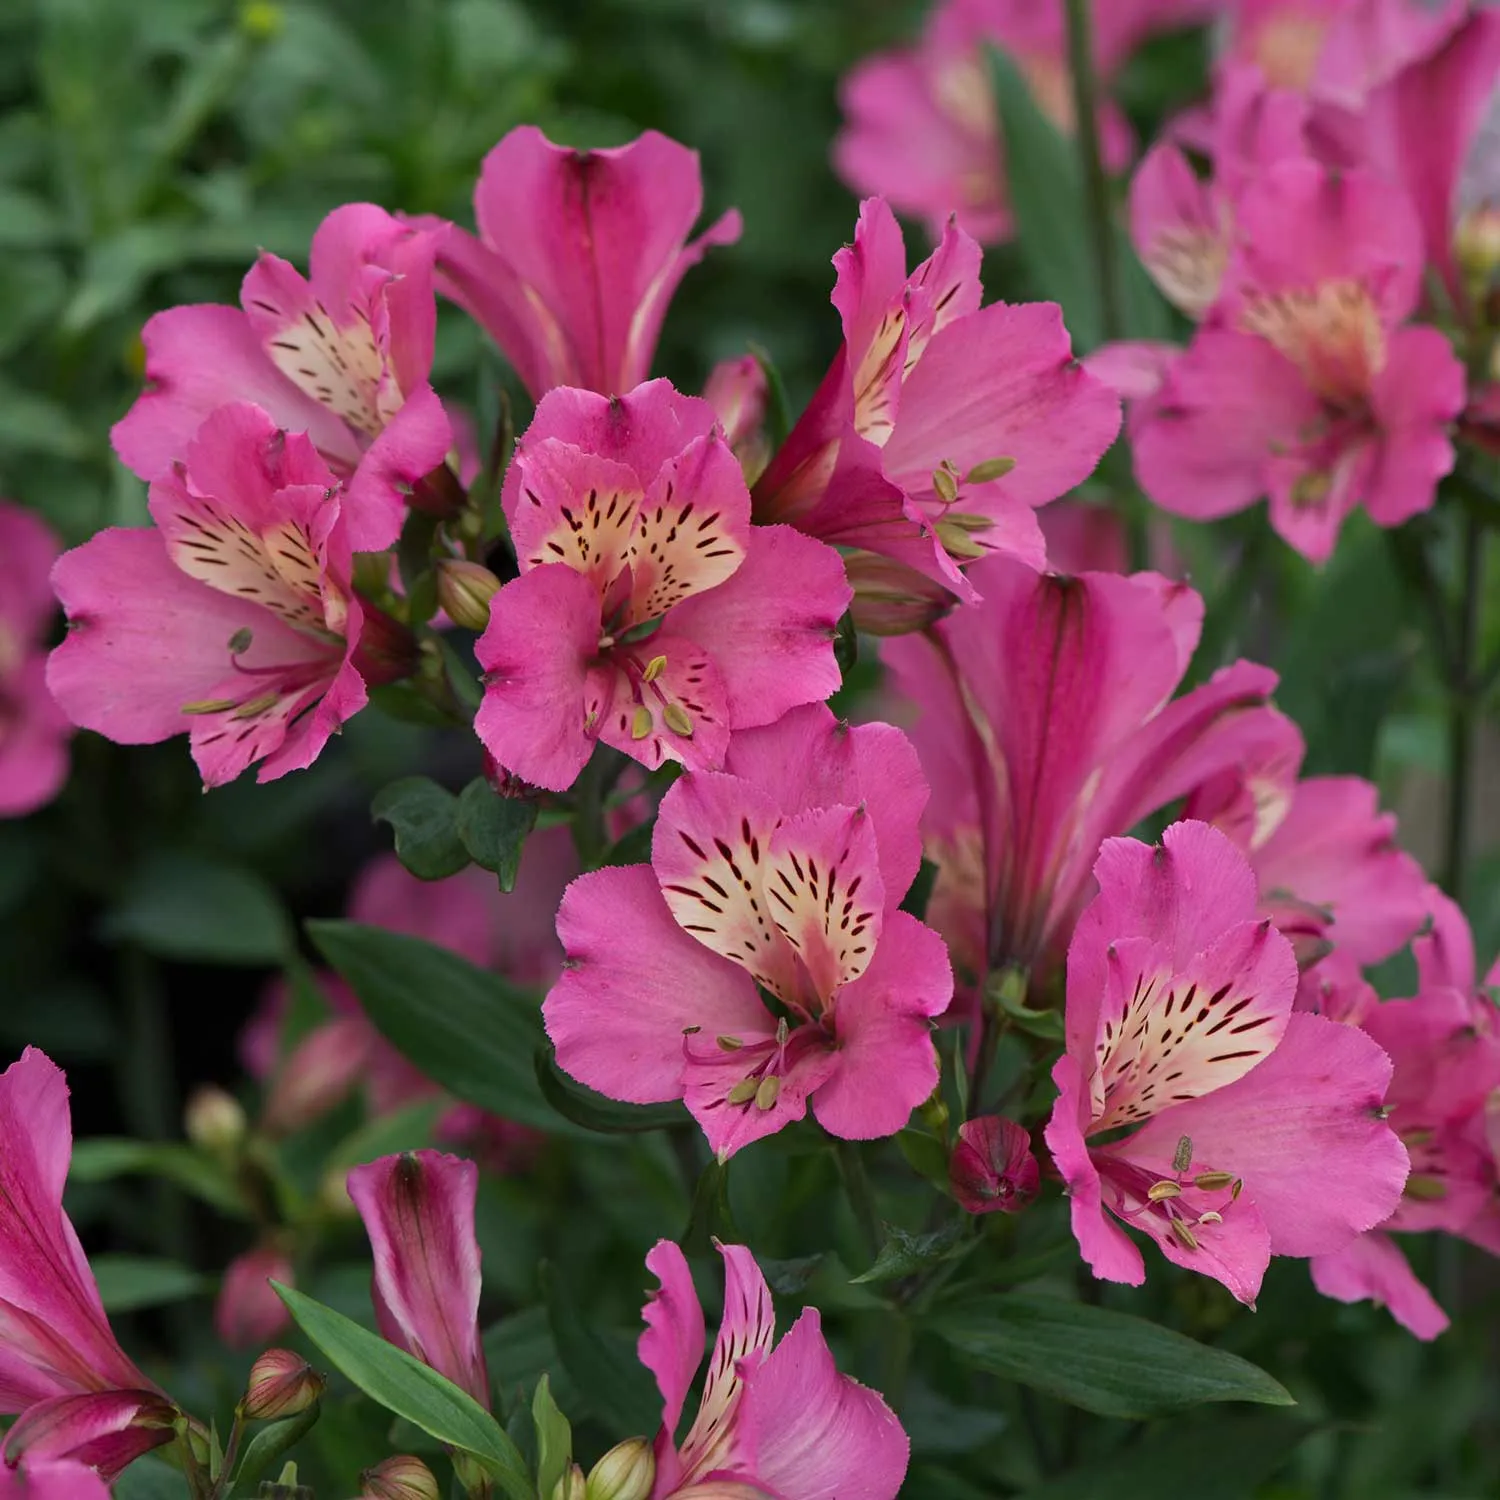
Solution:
(343, 356)
(774, 1418)
(418, 1210)
(79, 1394)
(1445, 1045)
(941, 426)
(247, 1312)
(1254, 1131)
(1046, 724)
(649, 613)
(1308, 385)
(34, 731)
(578, 255)
(233, 620)
(783, 871)
(922, 129)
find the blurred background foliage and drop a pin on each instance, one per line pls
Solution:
(147, 150)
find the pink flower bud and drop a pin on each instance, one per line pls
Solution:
(214, 1120)
(738, 391)
(892, 599)
(992, 1166)
(504, 783)
(248, 1312)
(318, 1076)
(626, 1472)
(400, 1478)
(281, 1384)
(387, 650)
(464, 590)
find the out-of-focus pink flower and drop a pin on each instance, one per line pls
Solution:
(992, 1168)
(922, 129)
(60, 1365)
(63, 1479)
(342, 356)
(1308, 385)
(774, 1418)
(578, 255)
(627, 512)
(782, 872)
(1047, 724)
(321, 1071)
(941, 426)
(1084, 538)
(34, 731)
(1254, 1131)
(248, 1314)
(418, 1210)
(739, 393)
(233, 620)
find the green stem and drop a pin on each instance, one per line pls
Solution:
(1100, 210)
(861, 1197)
(1463, 708)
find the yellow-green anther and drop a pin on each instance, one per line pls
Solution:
(968, 521)
(1213, 1182)
(765, 1095)
(991, 468)
(945, 485)
(677, 720)
(1236, 1189)
(1182, 1158)
(729, 1043)
(1166, 1188)
(255, 706)
(783, 1031)
(1183, 1235)
(1210, 1217)
(640, 725)
(240, 641)
(654, 668)
(1425, 1189)
(208, 706)
(744, 1091)
(958, 543)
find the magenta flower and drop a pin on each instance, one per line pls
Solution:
(649, 613)
(1253, 1131)
(79, 1394)
(1046, 724)
(342, 356)
(774, 1418)
(233, 620)
(783, 871)
(247, 1313)
(739, 393)
(418, 1210)
(941, 426)
(922, 130)
(992, 1168)
(34, 732)
(1308, 385)
(578, 255)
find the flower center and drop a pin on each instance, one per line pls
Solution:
(1331, 332)
(1286, 48)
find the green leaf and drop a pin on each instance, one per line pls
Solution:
(424, 818)
(104, 1158)
(127, 1282)
(200, 910)
(407, 1129)
(465, 1028)
(494, 829)
(151, 1478)
(1106, 1362)
(591, 1111)
(403, 1385)
(904, 1254)
(925, 1154)
(268, 1445)
(914, 902)
(554, 1439)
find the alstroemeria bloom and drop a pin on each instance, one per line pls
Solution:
(774, 1418)
(34, 732)
(783, 871)
(233, 620)
(247, 1312)
(941, 426)
(1446, 1049)
(1253, 1131)
(1046, 724)
(578, 255)
(992, 1168)
(343, 356)
(60, 1365)
(418, 1210)
(922, 128)
(1308, 385)
(649, 613)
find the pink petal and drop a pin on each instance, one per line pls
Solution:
(106, 1430)
(28, 548)
(1445, 955)
(418, 1209)
(886, 1061)
(992, 1168)
(464, 913)
(60, 1479)
(1372, 1269)
(576, 508)
(34, 744)
(247, 1313)
(633, 983)
(536, 651)
(1369, 44)
(1181, 229)
(1134, 371)
(769, 628)
(413, 443)
(817, 1434)
(801, 1064)
(671, 1346)
(639, 717)
(1305, 1131)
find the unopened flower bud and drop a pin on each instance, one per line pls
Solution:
(464, 591)
(505, 783)
(992, 1167)
(214, 1120)
(1476, 241)
(400, 1478)
(318, 1076)
(248, 1311)
(626, 1472)
(281, 1384)
(570, 1486)
(891, 598)
(738, 391)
